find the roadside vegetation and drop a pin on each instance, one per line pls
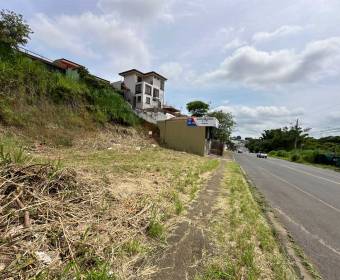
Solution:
(97, 210)
(245, 244)
(319, 158)
(295, 145)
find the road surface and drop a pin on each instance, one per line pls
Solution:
(307, 201)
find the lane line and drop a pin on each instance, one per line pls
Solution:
(303, 191)
(310, 174)
(303, 229)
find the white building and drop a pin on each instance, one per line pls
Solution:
(143, 90)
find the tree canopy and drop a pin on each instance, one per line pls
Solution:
(278, 139)
(14, 31)
(198, 108)
(226, 126)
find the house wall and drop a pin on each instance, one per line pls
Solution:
(175, 134)
(130, 81)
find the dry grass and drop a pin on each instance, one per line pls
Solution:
(96, 210)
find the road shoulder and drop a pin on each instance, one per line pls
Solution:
(295, 255)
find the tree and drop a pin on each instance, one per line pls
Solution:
(226, 126)
(13, 30)
(198, 108)
(278, 139)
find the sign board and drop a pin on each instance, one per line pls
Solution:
(203, 121)
(191, 122)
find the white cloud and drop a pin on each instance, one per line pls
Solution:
(251, 121)
(137, 10)
(178, 74)
(283, 31)
(172, 70)
(250, 66)
(234, 44)
(94, 39)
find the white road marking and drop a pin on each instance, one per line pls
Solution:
(302, 228)
(303, 191)
(310, 174)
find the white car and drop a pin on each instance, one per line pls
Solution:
(261, 155)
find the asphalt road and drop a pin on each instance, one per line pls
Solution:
(306, 200)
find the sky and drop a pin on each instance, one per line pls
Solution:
(267, 62)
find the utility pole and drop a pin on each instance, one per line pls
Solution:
(296, 135)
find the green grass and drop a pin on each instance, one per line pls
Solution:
(156, 230)
(247, 246)
(53, 107)
(133, 247)
(179, 207)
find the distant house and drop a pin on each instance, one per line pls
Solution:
(67, 64)
(142, 90)
(61, 65)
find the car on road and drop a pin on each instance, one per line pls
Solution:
(261, 155)
(239, 151)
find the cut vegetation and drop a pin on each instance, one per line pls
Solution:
(98, 208)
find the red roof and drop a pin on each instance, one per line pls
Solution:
(67, 64)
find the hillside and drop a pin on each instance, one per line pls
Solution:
(53, 107)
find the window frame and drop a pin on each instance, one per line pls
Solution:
(146, 90)
(155, 95)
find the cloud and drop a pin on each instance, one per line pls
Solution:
(172, 70)
(251, 121)
(253, 67)
(234, 44)
(177, 73)
(283, 31)
(93, 39)
(137, 10)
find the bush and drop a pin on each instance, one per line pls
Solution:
(273, 153)
(309, 156)
(295, 157)
(282, 153)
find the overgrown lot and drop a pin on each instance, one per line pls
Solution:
(245, 244)
(97, 210)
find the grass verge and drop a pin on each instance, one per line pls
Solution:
(246, 247)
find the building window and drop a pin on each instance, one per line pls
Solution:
(148, 90)
(156, 92)
(162, 85)
(139, 99)
(139, 79)
(148, 101)
(138, 88)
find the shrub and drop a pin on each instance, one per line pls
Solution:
(282, 153)
(273, 153)
(309, 156)
(295, 157)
